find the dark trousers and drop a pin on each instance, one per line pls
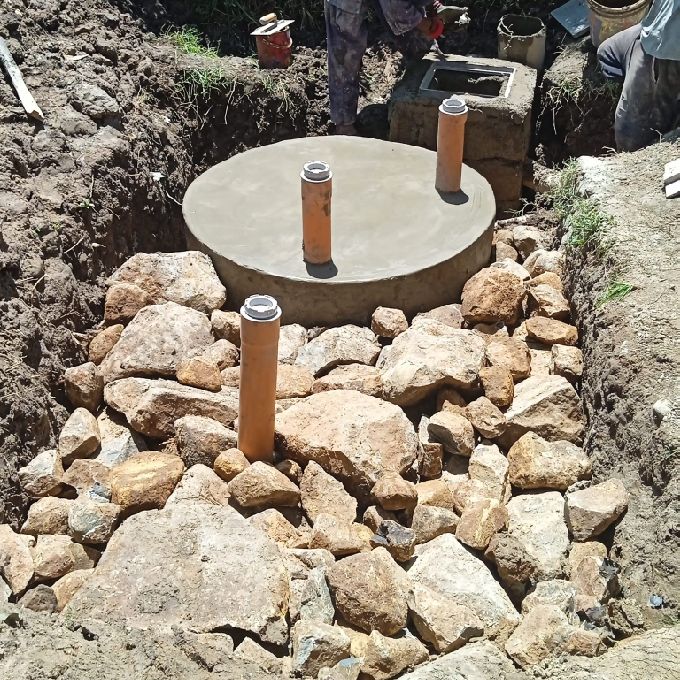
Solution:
(650, 100)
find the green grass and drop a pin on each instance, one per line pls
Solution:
(581, 90)
(189, 40)
(201, 82)
(616, 290)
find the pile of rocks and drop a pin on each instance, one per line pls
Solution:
(429, 487)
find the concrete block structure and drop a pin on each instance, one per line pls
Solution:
(500, 96)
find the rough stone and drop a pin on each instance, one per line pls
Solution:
(504, 251)
(490, 467)
(542, 261)
(450, 399)
(447, 568)
(54, 556)
(200, 372)
(387, 657)
(546, 300)
(16, 561)
(540, 360)
(322, 493)
(67, 586)
(549, 279)
(479, 521)
(123, 301)
(293, 381)
(538, 464)
(453, 431)
(393, 492)
(438, 492)
(387, 322)
(103, 342)
(42, 476)
(370, 591)
(152, 406)
(310, 599)
(47, 516)
(548, 406)
(354, 437)
(94, 102)
(198, 565)
(278, 528)
(226, 326)
(528, 239)
(491, 295)
(200, 484)
(486, 418)
(374, 515)
(118, 441)
(79, 437)
(397, 540)
(444, 624)
(449, 315)
(347, 669)
(556, 593)
(546, 631)
(511, 266)
(339, 536)
(291, 338)
(39, 599)
(317, 644)
(187, 278)
(200, 440)
(230, 463)
(593, 582)
(428, 356)
(429, 521)
(567, 361)
(157, 341)
(359, 377)
(512, 354)
(344, 345)
(551, 331)
(223, 353)
(145, 480)
(84, 386)
(88, 477)
(261, 485)
(590, 511)
(431, 461)
(498, 385)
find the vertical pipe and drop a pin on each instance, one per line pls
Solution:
(450, 138)
(260, 321)
(317, 189)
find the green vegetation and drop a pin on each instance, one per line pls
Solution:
(581, 91)
(616, 290)
(187, 39)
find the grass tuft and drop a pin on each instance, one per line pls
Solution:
(188, 39)
(616, 290)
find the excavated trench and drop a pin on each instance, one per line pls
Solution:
(128, 127)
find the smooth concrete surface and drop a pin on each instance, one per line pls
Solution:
(396, 241)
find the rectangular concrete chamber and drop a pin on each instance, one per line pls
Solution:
(499, 95)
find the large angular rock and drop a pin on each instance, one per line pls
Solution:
(54, 556)
(492, 294)
(42, 476)
(546, 300)
(430, 521)
(386, 657)
(370, 591)
(310, 598)
(558, 593)
(512, 354)
(16, 561)
(354, 437)
(344, 345)
(398, 540)
(442, 623)
(145, 480)
(92, 521)
(428, 356)
(449, 315)
(223, 353)
(88, 477)
(322, 493)
(199, 484)
(278, 528)
(79, 437)
(118, 441)
(317, 644)
(490, 467)
(48, 516)
(357, 377)
(590, 511)
(200, 440)
(393, 492)
(542, 261)
(291, 338)
(547, 405)
(567, 361)
(454, 431)
(479, 521)
(486, 418)
(261, 485)
(39, 599)
(388, 322)
(198, 566)
(339, 536)
(200, 372)
(152, 406)
(67, 586)
(123, 301)
(230, 463)
(103, 342)
(539, 464)
(551, 331)
(187, 278)
(84, 386)
(447, 568)
(156, 342)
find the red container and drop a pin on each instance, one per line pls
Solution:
(274, 44)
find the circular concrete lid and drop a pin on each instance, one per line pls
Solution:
(388, 219)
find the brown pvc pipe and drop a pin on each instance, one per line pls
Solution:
(317, 189)
(453, 113)
(260, 322)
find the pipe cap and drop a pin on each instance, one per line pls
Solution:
(316, 171)
(454, 104)
(261, 308)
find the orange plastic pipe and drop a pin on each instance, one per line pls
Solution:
(317, 189)
(453, 114)
(260, 322)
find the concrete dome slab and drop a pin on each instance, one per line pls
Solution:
(396, 241)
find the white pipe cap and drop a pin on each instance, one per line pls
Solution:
(454, 104)
(261, 308)
(316, 171)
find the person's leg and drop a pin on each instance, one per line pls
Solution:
(614, 53)
(346, 36)
(398, 15)
(667, 96)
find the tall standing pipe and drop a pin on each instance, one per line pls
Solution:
(260, 322)
(317, 189)
(453, 113)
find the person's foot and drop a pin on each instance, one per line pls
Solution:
(346, 130)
